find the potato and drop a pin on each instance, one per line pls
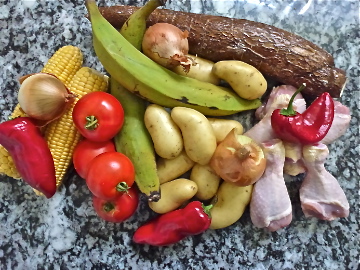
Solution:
(231, 203)
(222, 127)
(173, 195)
(202, 70)
(198, 134)
(169, 169)
(206, 180)
(165, 134)
(244, 79)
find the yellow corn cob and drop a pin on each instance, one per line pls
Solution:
(61, 134)
(7, 165)
(64, 63)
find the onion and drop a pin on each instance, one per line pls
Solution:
(238, 159)
(44, 97)
(167, 45)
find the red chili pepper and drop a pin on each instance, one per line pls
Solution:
(174, 226)
(307, 128)
(30, 152)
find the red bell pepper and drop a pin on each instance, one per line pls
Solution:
(307, 128)
(30, 152)
(174, 226)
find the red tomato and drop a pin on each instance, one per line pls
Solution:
(110, 175)
(119, 209)
(86, 150)
(98, 116)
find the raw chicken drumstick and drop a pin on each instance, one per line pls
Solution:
(293, 159)
(270, 205)
(340, 124)
(320, 194)
(271, 103)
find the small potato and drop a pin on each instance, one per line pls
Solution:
(244, 79)
(165, 134)
(173, 195)
(169, 169)
(202, 70)
(230, 205)
(222, 127)
(206, 180)
(198, 134)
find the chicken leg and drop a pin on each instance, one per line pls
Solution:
(270, 205)
(320, 193)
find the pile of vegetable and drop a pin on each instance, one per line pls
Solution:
(109, 175)
(155, 133)
(42, 123)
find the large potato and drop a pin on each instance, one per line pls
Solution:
(207, 181)
(202, 70)
(222, 127)
(198, 134)
(169, 169)
(244, 79)
(173, 195)
(165, 134)
(230, 205)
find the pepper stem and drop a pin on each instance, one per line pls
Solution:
(91, 122)
(207, 208)
(289, 111)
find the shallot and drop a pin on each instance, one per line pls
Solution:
(238, 159)
(167, 45)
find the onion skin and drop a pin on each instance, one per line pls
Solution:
(44, 97)
(167, 45)
(238, 159)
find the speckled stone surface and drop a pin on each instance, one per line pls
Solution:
(64, 231)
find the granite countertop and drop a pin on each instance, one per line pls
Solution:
(65, 233)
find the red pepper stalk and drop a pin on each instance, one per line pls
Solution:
(309, 127)
(30, 152)
(174, 226)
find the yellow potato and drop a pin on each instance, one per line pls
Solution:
(169, 169)
(245, 80)
(231, 204)
(202, 70)
(173, 195)
(206, 180)
(222, 127)
(198, 134)
(165, 134)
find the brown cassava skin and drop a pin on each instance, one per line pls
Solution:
(276, 53)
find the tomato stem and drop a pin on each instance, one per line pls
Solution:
(108, 206)
(122, 187)
(91, 122)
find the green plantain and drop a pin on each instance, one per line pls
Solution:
(140, 75)
(135, 26)
(134, 140)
